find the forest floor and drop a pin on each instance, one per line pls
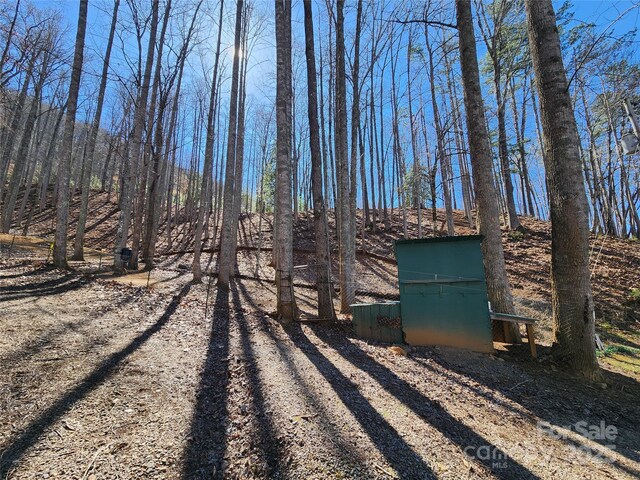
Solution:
(106, 378)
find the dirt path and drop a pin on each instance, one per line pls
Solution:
(105, 380)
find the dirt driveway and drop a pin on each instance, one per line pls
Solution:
(105, 380)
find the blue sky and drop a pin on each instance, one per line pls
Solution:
(616, 16)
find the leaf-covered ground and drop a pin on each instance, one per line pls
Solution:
(110, 379)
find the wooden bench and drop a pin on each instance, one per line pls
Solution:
(529, 323)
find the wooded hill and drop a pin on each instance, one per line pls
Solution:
(502, 109)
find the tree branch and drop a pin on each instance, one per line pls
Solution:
(426, 22)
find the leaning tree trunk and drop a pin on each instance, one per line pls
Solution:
(286, 301)
(78, 246)
(482, 171)
(12, 134)
(64, 168)
(572, 301)
(323, 263)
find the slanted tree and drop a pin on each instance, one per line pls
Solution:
(64, 168)
(572, 301)
(482, 170)
(78, 246)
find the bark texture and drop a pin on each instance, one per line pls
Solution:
(286, 302)
(482, 170)
(572, 301)
(226, 261)
(325, 302)
(64, 168)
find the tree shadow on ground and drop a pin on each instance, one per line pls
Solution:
(20, 443)
(266, 441)
(65, 283)
(346, 451)
(207, 441)
(34, 272)
(35, 346)
(397, 452)
(562, 400)
(430, 411)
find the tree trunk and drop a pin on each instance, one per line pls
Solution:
(286, 301)
(323, 262)
(131, 158)
(62, 203)
(503, 153)
(573, 314)
(12, 134)
(482, 171)
(207, 173)
(225, 260)
(347, 254)
(78, 250)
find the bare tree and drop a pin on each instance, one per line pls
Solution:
(283, 246)
(346, 233)
(64, 168)
(323, 261)
(78, 250)
(207, 173)
(481, 162)
(132, 156)
(226, 259)
(573, 313)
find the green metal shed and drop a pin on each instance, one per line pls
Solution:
(377, 321)
(443, 292)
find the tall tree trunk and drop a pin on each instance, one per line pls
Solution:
(62, 203)
(12, 133)
(78, 250)
(147, 170)
(416, 182)
(355, 126)
(226, 262)
(441, 153)
(505, 168)
(482, 171)
(207, 173)
(323, 261)
(22, 156)
(286, 301)
(573, 313)
(133, 151)
(239, 164)
(347, 240)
